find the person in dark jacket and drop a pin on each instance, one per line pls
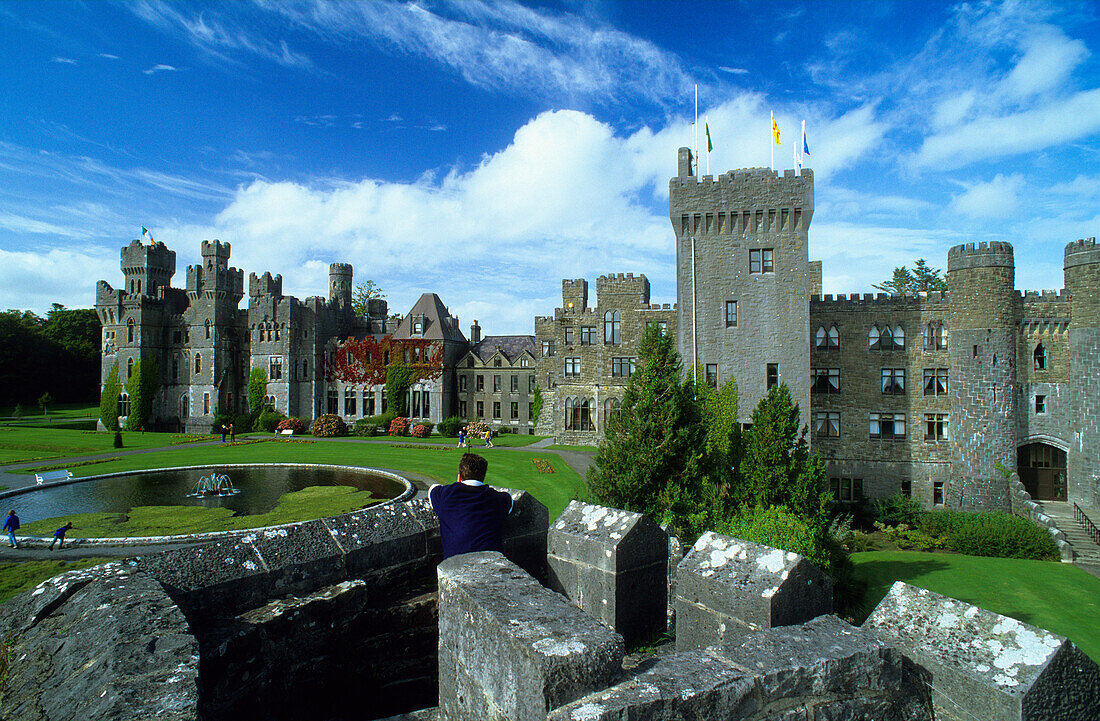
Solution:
(59, 535)
(471, 514)
(11, 525)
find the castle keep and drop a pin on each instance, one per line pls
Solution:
(939, 396)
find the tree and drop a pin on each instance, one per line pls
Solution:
(652, 457)
(363, 294)
(108, 400)
(718, 408)
(536, 406)
(777, 468)
(922, 279)
(399, 378)
(141, 388)
(257, 391)
(44, 402)
(898, 284)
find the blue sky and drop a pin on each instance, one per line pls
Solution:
(485, 151)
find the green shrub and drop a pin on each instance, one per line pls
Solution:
(449, 427)
(421, 430)
(382, 421)
(365, 428)
(268, 420)
(505, 429)
(329, 425)
(399, 426)
(996, 534)
(297, 425)
(223, 419)
(118, 439)
(779, 528)
(898, 509)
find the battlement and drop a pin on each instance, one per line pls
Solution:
(620, 284)
(862, 301)
(1082, 252)
(574, 294)
(994, 254)
(216, 249)
(228, 280)
(137, 256)
(339, 269)
(745, 189)
(1045, 296)
(265, 285)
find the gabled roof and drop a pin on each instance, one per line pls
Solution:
(438, 323)
(511, 346)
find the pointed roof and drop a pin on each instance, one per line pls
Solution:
(510, 346)
(439, 324)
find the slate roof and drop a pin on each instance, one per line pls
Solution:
(512, 346)
(439, 324)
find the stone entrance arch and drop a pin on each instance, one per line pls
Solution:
(1042, 469)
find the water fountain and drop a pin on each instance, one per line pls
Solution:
(216, 484)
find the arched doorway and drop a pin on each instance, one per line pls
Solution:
(1042, 469)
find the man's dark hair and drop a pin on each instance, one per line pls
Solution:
(472, 467)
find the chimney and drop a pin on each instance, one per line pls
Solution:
(475, 333)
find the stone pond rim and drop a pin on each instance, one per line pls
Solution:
(406, 494)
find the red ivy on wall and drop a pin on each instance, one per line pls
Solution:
(363, 361)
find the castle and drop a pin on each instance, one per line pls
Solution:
(939, 396)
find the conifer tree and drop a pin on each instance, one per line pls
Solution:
(652, 459)
(142, 387)
(257, 391)
(108, 400)
(398, 381)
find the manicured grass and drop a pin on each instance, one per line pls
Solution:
(507, 440)
(66, 411)
(311, 502)
(586, 449)
(25, 575)
(1056, 596)
(512, 469)
(25, 444)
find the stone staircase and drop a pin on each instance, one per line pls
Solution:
(1084, 548)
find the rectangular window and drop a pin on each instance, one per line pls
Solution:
(622, 367)
(480, 410)
(368, 403)
(888, 425)
(907, 488)
(333, 401)
(425, 397)
(515, 410)
(205, 404)
(547, 348)
(531, 384)
(731, 313)
(572, 367)
(496, 409)
(846, 490)
(462, 383)
(893, 381)
(827, 424)
(515, 384)
(349, 402)
(937, 493)
(414, 404)
(754, 261)
(772, 375)
(275, 368)
(660, 325)
(825, 380)
(935, 381)
(1040, 404)
(384, 404)
(712, 375)
(588, 335)
(530, 411)
(479, 383)
(497, 384)
(569, 335)
(462, 409)
(766, 255)
(935, 426)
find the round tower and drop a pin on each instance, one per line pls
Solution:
(982, 320)
(1082, 268)
(339, 285)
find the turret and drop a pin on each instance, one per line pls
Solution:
(214, 275)
(339, 285)
(574, 295)
(1082, 269)
(982, 322)
(147, 267)
(261, 285)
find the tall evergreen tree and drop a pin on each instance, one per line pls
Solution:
(926, 278)
(777, 468)
(398, 381)
(652, 459)
(141, 388)
(108, 400)
(257, 391)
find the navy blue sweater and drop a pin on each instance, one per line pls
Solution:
(470, 517)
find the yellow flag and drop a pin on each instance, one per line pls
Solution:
(775, 131)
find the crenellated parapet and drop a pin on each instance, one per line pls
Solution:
(216, 249)
(623, 287)
(266, 284)
(574, 295)
(994, 254)
(871, 301)
(1082, 252)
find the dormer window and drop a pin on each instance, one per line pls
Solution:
(418, 325)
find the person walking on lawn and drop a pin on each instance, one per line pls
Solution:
(11, 525)
(488, 438)
(59, 535)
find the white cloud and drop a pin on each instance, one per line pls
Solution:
(58, 275)
(733, 71)
(952, 110)
(63, 61)
(158, 68)
(1049, 58)
(1085, 187)
(995, 199)
(108, 56)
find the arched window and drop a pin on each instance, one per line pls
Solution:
(568, 414)
(821, 337)
(207, 324)
(123, 404)
(130, 331)
(1040, 356)
(834, 337)
(129, 368)
(943, 337)
(185, 406)
(610, 410)
(198, 363)
(873, 337)
(886, 338)
(305, 370)
(899, 337)
(276, 332)
(260, 335)
(612, 327)
(930, 337)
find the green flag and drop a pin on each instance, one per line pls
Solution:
(144, 231)
(710, 145)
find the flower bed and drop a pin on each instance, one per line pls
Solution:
(542, 465)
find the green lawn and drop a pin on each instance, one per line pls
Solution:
(20, 444)
(586, 449)
(24, 575)
(1056, 596)
(508, 440)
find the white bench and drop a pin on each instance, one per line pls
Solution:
(286, 432)
(50, 477)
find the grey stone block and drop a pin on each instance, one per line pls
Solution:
(728, 587)
(391, 535)
(609, 562)
(985, 665)
(511, 649)
(99, 643)
(300, 556)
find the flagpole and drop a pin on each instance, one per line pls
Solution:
(695, 126)
(771, 143)
(707, 119)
